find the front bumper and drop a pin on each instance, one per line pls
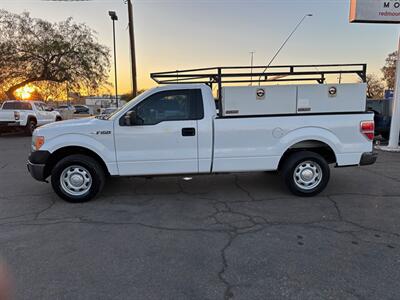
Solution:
(368, 158)
(36, 170)
(37, 164)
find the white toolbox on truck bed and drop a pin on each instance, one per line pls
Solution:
(293, 99)
(264, 100)
(331, 98)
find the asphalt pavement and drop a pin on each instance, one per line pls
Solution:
(239, 236)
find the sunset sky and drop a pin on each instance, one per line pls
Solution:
(178, 34)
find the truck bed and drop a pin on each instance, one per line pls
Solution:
(258, 143)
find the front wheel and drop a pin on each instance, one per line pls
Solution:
(306, 173)
(77, 178)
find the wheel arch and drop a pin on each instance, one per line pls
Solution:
(31, 118)
(63, 152)
(313, 145)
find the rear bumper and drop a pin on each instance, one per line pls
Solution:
(9, 124)
(37, 163)
(368, 158)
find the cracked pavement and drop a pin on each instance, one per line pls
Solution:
(239, 236)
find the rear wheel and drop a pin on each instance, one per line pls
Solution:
(30, 127)
(77, 178)
(306, 173)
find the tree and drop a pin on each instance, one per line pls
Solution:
(50, 90)
(33, 50)
(389, 70)
(375, 87)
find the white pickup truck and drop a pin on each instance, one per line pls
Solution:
(26, 115)
(176, 129)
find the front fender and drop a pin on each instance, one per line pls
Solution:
(105, 150)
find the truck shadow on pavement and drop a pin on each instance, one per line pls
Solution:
(237, 236)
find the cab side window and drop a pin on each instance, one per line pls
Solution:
(174, 105)
(39, 106)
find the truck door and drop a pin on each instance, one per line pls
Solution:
(161, 137)
(41, 113)
(47, 113)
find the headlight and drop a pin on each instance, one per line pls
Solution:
(37, 142)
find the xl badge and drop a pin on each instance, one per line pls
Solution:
(260, 94)
(103, 132)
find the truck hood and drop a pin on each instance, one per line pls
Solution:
(85, 126)
(69, 123)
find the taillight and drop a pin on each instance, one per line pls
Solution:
(367, 128)
(16, 115)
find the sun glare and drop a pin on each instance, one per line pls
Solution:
(25, 92)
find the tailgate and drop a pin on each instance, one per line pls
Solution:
(7, 116)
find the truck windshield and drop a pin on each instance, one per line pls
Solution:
(108, 116)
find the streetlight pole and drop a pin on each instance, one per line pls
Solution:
(132, 46)
(114, 18)
(131, 42)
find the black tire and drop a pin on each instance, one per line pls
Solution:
(88, 164)
(314, 163)
(30, 127)
(385, 135)
(58, 119)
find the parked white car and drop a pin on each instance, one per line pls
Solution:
(175, 130)
(26, 115)
(68, 108)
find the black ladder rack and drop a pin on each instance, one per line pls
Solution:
(258, 74)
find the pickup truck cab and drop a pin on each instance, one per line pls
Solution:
(26, 115)
(175, 129)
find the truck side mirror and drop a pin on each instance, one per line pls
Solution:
(131, 119)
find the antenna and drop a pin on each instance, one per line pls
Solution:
(283, 45)
(252, 63)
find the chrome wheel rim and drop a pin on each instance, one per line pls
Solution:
(307, 175)
(76, 180)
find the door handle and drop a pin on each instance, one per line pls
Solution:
(188, 131)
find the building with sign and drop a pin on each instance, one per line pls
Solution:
(375, 11)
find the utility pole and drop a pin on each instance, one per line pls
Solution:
(132, 46)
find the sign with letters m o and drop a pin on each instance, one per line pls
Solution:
(375, 11)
